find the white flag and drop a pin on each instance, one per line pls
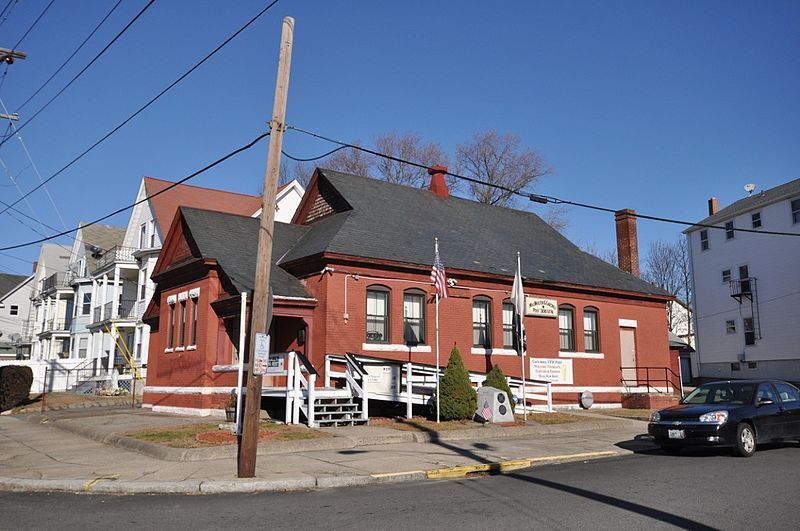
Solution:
(517, 295)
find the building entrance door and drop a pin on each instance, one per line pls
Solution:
(627, 343)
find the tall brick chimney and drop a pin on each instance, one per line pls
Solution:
(627, 241)
(713, 206)
(438, 184)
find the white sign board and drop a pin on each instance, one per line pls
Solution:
(277, 363)
(553, 370)
(261, 355)
(536, 307)
(382, 378)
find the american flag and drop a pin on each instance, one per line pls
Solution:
(438, 277)
(486, 412)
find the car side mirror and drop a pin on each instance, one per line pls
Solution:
(765, 402)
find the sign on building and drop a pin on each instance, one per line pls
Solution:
(261, 355)
(553, 370)
(276, 363)
(382, 378)
(536, 307)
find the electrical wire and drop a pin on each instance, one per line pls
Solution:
(145, 106)
(35, 22)
(84, 69)
(3, 15)
(54, 74)
(123, 209)
(531, 196)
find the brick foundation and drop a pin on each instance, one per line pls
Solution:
(648, 401)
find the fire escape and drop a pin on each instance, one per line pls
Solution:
(745, 291)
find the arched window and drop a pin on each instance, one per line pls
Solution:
(591, 338)
(566, 328)
(377, 314)
(508, 324)
(482, 322)
(414, 316)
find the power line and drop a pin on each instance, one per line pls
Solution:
(84, 69)
(123, 209)
(3, 15)
(35, 22)
(145, 106)
(538, 198)
(54, 74)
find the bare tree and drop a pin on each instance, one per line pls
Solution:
(556, 217)
(408, 146)
(667, 266)
(498, 159)
(609, 255)
(350, 160)
(295, 170)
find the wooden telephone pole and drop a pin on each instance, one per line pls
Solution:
(258, 320)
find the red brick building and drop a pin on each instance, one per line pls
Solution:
(351, 274)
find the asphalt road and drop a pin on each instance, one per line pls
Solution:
(647, 490)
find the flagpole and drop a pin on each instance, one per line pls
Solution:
(521, 341)
(438, 397)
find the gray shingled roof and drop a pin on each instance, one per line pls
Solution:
(103, 236)
(753, 202)
(232, 241)
(399, 223)
(9, 282)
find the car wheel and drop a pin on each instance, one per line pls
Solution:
(745, 440)
(671, 449)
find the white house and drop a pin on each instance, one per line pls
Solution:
(747, 287)
(15, 303)
(50, 317)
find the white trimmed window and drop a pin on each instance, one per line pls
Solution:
(481, 323)
(83, 347)
(414, 317)
(508, 325)
(591, 341)
(377, 314)
(566, 328)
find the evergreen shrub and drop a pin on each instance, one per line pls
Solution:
(495, 378)
(458, 399)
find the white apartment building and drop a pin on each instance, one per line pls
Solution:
(747, 287)
(15, 302)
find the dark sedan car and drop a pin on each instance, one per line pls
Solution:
(738, 413)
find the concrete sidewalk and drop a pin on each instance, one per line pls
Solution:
(87, 452)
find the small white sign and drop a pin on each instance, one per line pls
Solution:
(536, 307)
(277, 363)
(552, 370)
(261, 354)
(382, 378)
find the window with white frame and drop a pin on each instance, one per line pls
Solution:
(377, 314)
(13, 310)
(83, 347)
(414, 317)
(726, 275)
(755, 218)
(182, 322)
(481, 322)
(86, 305)
(591, 340)
(749, 331)
(730, 326)
(508, 325)
(795, 211)
(193, 336)
(143, 236)
(171, 329)
(704, 240)
(566, 328)
(152, 228)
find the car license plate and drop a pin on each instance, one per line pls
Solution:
(676, 434)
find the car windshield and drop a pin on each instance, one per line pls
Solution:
(721, 393)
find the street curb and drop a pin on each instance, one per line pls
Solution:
(110, 485)
(502, 467)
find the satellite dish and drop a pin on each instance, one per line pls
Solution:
(749, 187)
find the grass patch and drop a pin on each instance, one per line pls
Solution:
(556, 418)
(203, 435)
(421, 424)
(637, 414)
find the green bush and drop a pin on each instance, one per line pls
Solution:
(458, 398)
(495, 378)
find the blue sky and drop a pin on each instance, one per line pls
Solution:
(654, 106)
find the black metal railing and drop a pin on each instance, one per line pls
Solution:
(653, 377)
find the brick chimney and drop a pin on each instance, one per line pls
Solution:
(438, 184)
(713, 206)
(627, 241)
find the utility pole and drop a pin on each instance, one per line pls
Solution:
(258, 321)
(8, 56)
